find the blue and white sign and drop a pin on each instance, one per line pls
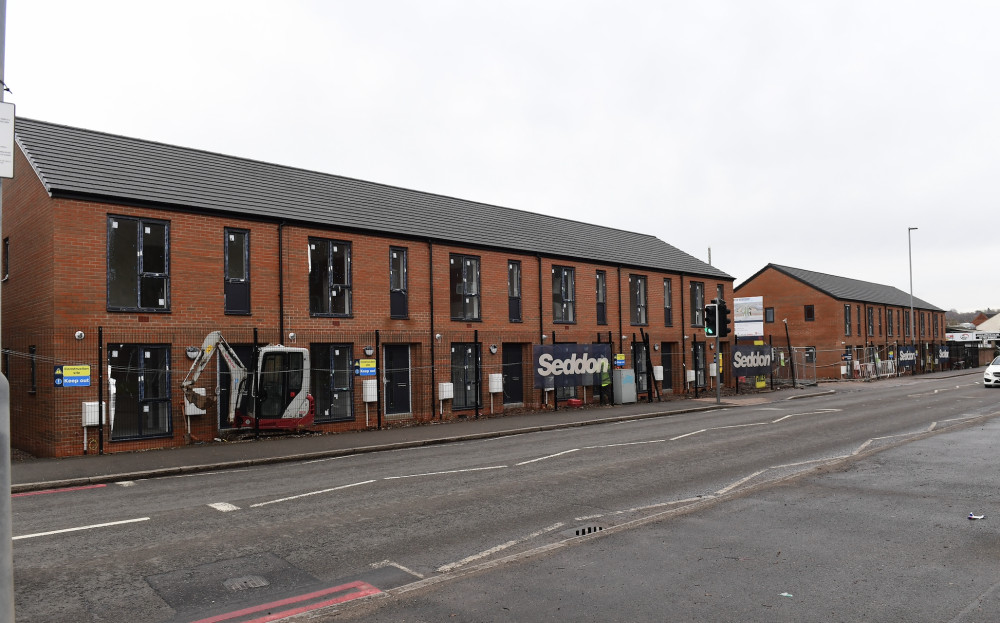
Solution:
(907, 357)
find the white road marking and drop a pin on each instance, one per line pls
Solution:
(738, 426)
(91, 527)
(498, 548)
(224, 507)
(645, 508)
(687, 434)
(295, 497)
(126, 483)
(617, 445)
(739, 482)
(551, 456)
(389, 563)
(451, 471)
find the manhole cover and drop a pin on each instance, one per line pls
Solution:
(247, 581)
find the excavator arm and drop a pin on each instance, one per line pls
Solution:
(237, 374)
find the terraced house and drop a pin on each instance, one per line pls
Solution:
(121, 255)
(847, 327)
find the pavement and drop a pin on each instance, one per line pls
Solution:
(38, 474)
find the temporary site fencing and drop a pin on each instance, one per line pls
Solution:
(357, 379)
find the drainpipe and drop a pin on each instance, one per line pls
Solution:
(621, 346)
(430, 271)
(281, 284)
(541, 319)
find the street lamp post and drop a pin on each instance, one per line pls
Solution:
(913, 325)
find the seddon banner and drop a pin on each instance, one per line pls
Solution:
(752, 360)
(569, 365)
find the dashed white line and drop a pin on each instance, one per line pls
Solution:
(551, 456)
(739, 482)
(389, 563)
(688, 434)
(91, 527)
(498, 548)
(296, 497)
(450, 471)
(224, 507)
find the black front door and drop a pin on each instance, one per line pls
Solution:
(513, 373)
(396, 376)
(667, 361)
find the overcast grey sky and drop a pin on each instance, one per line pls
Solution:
(814, 132)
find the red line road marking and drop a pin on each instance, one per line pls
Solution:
(363, 590)
(21, 495)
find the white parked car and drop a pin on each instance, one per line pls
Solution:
(991, 376)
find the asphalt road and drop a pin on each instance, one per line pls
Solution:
(675, 506)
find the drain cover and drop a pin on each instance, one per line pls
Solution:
(247, 581)
(582, 530)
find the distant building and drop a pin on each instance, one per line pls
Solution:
(847, 327)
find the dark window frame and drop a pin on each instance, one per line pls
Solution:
(847, 319)
(6, 259)
(142, 276)
(471, 383)
(769, 315)
(809, 312)
(563, 294)
(399, 304)
(697, 291)
(323, 353)
(514, 308)
(601, 286)
(137, 366)
(466, 289)
(638, 300)
(332, 288)
(668, 302)
(237, 288)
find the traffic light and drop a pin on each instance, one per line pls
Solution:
(712, 320)
(723, 319)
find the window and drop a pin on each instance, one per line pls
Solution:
(6, 258)
(563, 294)
(398, 304)
(464, 288)
(465, 375)
(237, 260)
(33, 360)
(602, 297)
(333, 381)
(138, 265)
(880, 321)
(720, 292)
(888, 322)
(923, 324)
(141, 375)
(871, 321)
(810, 313)
(329, 277)
(936, 317)
(769, 314)
(847, 319)
(697, 304)
(637, 298)
(514, 290)
(906, 322)
(668, 304)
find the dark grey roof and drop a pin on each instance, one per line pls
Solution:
(845, 289)
(77, 162)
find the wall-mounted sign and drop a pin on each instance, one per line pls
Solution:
(72, 376)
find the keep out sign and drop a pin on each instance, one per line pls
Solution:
(569, 365)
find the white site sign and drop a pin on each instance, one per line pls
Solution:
(6, 139)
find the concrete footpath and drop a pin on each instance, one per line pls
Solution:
(40, 474)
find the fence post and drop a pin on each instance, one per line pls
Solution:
(100, 391)
(6, 534)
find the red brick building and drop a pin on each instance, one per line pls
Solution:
(122, 255)
(845, 325)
